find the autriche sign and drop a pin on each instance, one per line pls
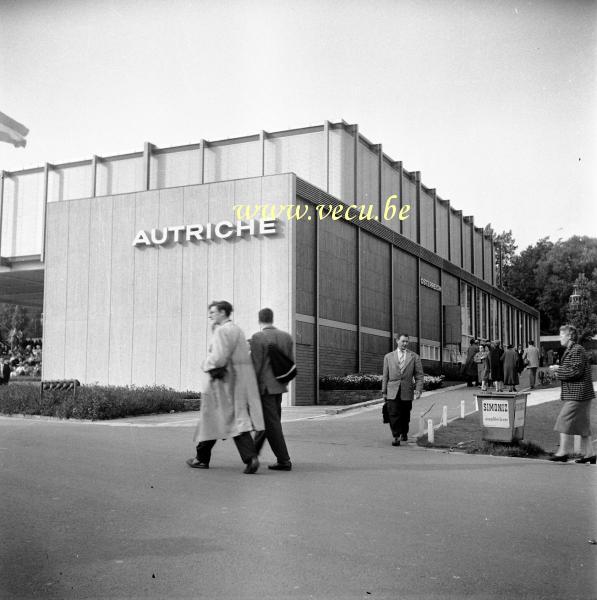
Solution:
(199, 233)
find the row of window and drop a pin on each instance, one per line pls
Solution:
(485, 317)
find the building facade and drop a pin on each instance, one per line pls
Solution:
(343, 243)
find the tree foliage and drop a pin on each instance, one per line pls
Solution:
(543, 277)
(505, 251)
(580, 313)
(15, 318)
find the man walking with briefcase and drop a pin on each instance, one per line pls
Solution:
(270, 388)
(402, 382)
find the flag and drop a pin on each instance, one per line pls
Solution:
(12, 132)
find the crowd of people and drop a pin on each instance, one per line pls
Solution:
(20, 360)
(490, 364)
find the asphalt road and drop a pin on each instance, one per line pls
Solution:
(93, 511)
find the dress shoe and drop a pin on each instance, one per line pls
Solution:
(404, 437)
(591, 460)
(556, 458)
(195, 464)
(252, 466)
(287, 466)
(396, 442)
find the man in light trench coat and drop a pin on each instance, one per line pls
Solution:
(230, 401)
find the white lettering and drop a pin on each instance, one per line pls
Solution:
(155, 239)
(194, 231)
(198, 233)
(267, 226)
(242, 226)
(141, 238)
(220, 226)
(177, 231)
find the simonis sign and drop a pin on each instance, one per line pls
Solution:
(200, 233)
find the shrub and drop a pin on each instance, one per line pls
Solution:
(356, 381)
(516, 448)
(95, 402)
(433, 382)
(365, 381)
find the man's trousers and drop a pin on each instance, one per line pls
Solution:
(244, 445)
(272, 415)
(532, 375)
(399, 414)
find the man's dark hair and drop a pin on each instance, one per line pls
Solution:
(266, 315)
(222, 305)
(531, 342)
(399, 335)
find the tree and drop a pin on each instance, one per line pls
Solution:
(15, 323)
(520, 278)
(555, 276)
(543, 275)
(505, 250)
(581, 311)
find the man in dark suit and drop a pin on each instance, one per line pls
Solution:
(5, 372)
(270, 388)
(470, 366)
(402, 382)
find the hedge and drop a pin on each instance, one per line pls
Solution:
(95, 402)
(365, 381)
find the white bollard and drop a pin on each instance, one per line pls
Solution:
(476, 404)
(462, 409)
(577, 444)
(430, 432)
(445, 416)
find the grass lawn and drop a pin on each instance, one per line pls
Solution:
(465, 434)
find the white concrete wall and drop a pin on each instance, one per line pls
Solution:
(122, 315)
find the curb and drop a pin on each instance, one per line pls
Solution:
(342, 409)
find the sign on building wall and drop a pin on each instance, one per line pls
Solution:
(199, 233)
(431, 285)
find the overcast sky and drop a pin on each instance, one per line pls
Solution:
(493, 101)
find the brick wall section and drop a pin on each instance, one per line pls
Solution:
(305, 378)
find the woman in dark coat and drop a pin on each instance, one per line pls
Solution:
(510, 361)
(574, 371)
(470, 366)
(520, 363)
(495, 365)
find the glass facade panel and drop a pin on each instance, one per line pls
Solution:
(494, 315)
(22, 215)
(69, 183)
